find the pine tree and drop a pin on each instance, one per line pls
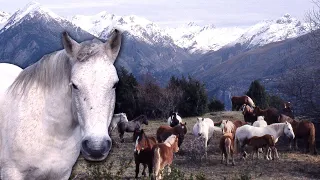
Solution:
(258, 94)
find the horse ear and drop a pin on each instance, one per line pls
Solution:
(113, 45)
(70, 45)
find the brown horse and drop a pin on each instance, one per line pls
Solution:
(267, 142)
(238, 101)
(303, 130)
(248, 114)
(143, 151)
(227, 147)
(163, 155)
(165, 131)
(271, 115)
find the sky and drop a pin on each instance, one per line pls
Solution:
(174, 13)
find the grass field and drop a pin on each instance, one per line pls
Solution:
(291, 165)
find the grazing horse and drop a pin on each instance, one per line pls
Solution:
(57, 107)
(116, 119)
(131, 126)
(227, 147)
(303, 130)
(248, 114)
(276, 130)
(163, 155)
(143, 151)
(204, 128)
(165, 131)
(238, 101)
(260, 122)
(267, 142)
(174, 119)
(271, 115)
(287, 110)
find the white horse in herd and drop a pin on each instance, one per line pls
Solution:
(117, 118)
(205, 128)
(57, 107)
(276, 130)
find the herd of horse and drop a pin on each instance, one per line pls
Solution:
(63, 105)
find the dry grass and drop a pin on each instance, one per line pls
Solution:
(291, 165)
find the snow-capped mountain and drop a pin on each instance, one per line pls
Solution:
(29, 11)
(3, 18)
(101, 24)
(203, 38)
(269, 31)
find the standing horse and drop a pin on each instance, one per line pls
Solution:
(271, 115)
(116, 119)
(163, 155)
(174, 119)
(228, 126)
(204, 128)
(303, 130)
(131, 126)
(248, 114)
(238, 101)
(287, 110)
(227, 147)
(276, 130)
(165, 131)
(57, 107)
(143, 151)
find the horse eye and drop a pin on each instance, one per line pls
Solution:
(74, 86)
(115, 85)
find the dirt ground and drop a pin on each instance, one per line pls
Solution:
(291, 165)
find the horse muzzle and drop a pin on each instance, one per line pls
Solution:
(95, 149)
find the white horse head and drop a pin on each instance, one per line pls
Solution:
(93, 81)
(202, 128)
(288, 131)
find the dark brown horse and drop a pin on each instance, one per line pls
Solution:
(238, 101)
(303, 130)
(271, 115)
(248, 114)
(143, 151)
(165, 131)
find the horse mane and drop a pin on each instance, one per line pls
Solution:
(228, 125)
(277, 126)
(48, 73)
(170, 140)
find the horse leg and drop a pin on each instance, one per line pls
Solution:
(150, 169)
(137, 169)
(144, 170)
(295, 144)
(169, 169)
(206, 147)
(222, 157)
(121, 137)
(232, 158)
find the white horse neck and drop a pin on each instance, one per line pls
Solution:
(278, 129)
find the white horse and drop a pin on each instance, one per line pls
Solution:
(276, 130)
(57, 107)
(260, 122)
(205, 128)
(174, 119)
(117, 118)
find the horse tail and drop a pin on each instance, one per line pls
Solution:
(250, 101)
(156, 162)
(312, 139)
(227, 145)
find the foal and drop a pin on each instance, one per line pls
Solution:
(163, 155)
(227, 147)
(143, 151)
(266, 141)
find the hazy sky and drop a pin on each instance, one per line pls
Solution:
(221, 13)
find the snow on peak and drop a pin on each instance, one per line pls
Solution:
(270, 31)
(102, 23)
(31, 9)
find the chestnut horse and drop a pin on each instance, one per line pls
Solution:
(143, 151)
(238, 101)
(271, 115)
(165, 131)
(267, 142)
(303, 130)
(248, 114)
(163, 155)
(227, 147)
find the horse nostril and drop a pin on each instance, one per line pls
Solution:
(85, 145)
(199, 134)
